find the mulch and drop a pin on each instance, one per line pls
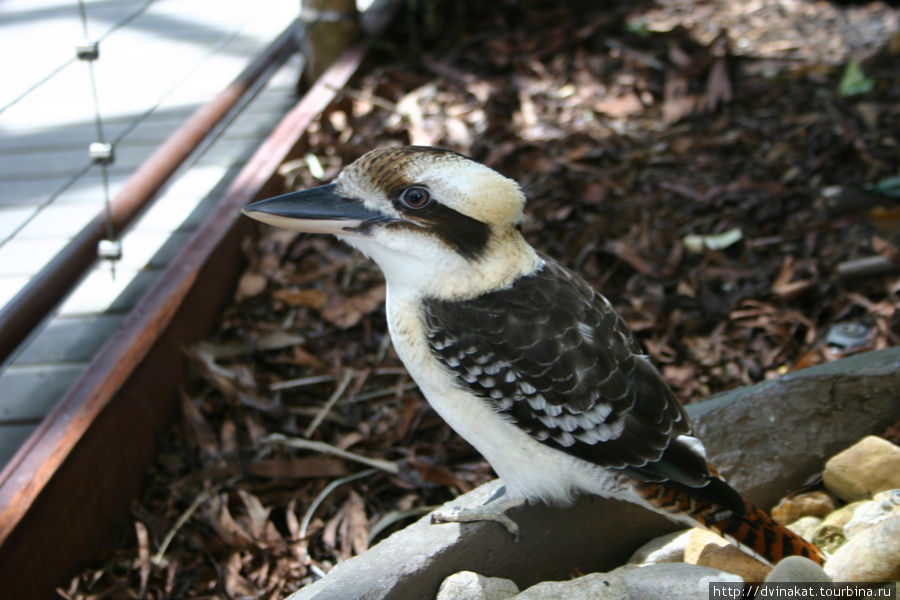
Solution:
(725, 172)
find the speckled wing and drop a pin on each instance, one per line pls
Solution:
(552, 354)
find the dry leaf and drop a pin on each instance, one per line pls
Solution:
(627, 253)
(347, 312)
(220, 518)
(235, 583)
(257, 514)
(298, 468)
(143, 547)
(312, 298)
(251, 284)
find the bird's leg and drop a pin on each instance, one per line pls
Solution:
(493, 510)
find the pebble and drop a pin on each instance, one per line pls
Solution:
(673, 581)
(805, 527)
(870, 514)
(873, 554)
(597, 586)
(796, 569)
(662, 549)
(466, 585)
(709, 549)
(816, 504)
(829, 535)
(870, 466)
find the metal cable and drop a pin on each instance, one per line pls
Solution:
(125, 131)
(98, 121)
(68, 62)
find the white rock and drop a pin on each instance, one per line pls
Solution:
(663, 549)
(873, 554)
(870, 466)
(796, 569)
(466, 585)
(869, 514)
(805, 527)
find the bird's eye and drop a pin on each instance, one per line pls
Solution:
(415, 197)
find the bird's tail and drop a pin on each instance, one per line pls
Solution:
(755, 530)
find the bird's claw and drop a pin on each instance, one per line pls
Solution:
(493, 511)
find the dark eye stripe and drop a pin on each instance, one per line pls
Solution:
(468, 236)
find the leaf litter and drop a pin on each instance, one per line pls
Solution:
(700, 163)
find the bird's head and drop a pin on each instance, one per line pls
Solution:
(427, 216)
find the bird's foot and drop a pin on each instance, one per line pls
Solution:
(493, 510)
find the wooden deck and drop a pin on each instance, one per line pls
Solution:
(159, 62)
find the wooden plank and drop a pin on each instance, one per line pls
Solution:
(67, 492)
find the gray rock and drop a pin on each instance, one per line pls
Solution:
(467, 585)
(770, 437)
(596, 586)
(796, 569)
(871, 555)
(673, 581)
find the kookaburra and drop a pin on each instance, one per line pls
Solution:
(521, 356)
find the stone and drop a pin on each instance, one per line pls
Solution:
(662, 549)
(829, 535)
(829, 538)
(814, 504)
(467, 585)
(597, 586)
(842, 515)
(805, 527)
(871, 555)
(672, 581)
(796, 569)
(708, 549)
(765, 438)
(870, 466)
(870, 514)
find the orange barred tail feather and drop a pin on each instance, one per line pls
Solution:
(755, 530)
(758, 531)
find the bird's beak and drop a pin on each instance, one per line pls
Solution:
(316, 210)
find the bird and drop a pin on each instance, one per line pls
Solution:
(518, 354)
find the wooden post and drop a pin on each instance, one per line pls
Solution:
(330, 27)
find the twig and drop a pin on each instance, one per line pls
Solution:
(397, 515)
(641, 57)
(867, 266)
(338, 392)
(307, 517)
(385, 391)
(294, 442)
(157, 559)
(376, 100)
(300, 382)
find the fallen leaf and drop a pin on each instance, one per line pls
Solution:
(312, 298)
(251, 284)
(298, 468)
(629, 254)
(345, 312)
